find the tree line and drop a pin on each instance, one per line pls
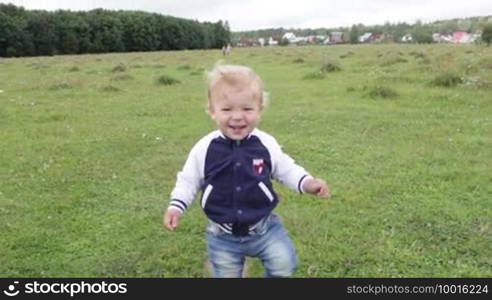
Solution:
(37, 32)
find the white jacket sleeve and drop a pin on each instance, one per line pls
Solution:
(189, 179)
(287, 172)
(284, 168)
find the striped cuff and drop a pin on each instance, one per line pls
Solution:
(178, 204)
(301, 182)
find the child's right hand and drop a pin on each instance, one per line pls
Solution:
(171, 218)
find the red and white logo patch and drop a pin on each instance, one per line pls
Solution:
(258, 165)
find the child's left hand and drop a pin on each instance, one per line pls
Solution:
(317, 187)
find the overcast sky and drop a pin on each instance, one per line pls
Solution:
(261, 14)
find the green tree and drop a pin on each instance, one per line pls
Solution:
(83, 32)
(4, 31)
(222, 35)
(44, 36)
(15, 38)
(422, 33)
(105, 31)
(67, 40)
(354, 34)
(284, 42)
(487, 33)
(400, 30)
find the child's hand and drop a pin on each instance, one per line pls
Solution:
(171, 218)
(317, 187)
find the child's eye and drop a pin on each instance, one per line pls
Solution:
(248, 108)
(225, 109)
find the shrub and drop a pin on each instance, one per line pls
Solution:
(121, 77)
(284, 42)
(110, 88)
(391, 60)
(119, 68)
(314, 75)
(61, 86)
(383, 92)
(447, 80)
(158, 66)
(486, 63)
(350, 53)
(167, 80)
(417, 54)
(424, 61)
(330, 66)
(487, 34)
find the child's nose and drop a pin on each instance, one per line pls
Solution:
(237, 115)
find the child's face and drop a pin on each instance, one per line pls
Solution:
(235, 111)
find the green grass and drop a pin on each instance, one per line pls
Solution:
(91, 145)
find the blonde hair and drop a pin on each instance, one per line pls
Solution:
(237, 76)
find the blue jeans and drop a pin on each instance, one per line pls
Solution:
(269, 242)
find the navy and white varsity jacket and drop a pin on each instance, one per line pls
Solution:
(234, 177)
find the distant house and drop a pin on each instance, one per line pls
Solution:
(476, 36)
(407, 38)
(458, 37)
(377, 38)
(336, 37)
(315, 39)
(365, 38)
(462, 37)
(442, 38)
(293, 39)
(320, 38)
(272, 42)
(246, 43)
(290, 36)
(436, 37)
(370, 37)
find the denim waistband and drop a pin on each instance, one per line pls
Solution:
(240, 230)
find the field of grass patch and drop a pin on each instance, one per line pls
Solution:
(91, 144)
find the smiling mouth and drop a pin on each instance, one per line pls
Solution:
(238, 127)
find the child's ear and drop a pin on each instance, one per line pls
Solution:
(210, 111)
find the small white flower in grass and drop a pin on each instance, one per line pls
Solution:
(1, 91)
(144, 135)
(157, 138)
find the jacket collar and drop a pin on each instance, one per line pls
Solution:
(222, 135)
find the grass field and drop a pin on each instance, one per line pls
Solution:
(91, 144)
